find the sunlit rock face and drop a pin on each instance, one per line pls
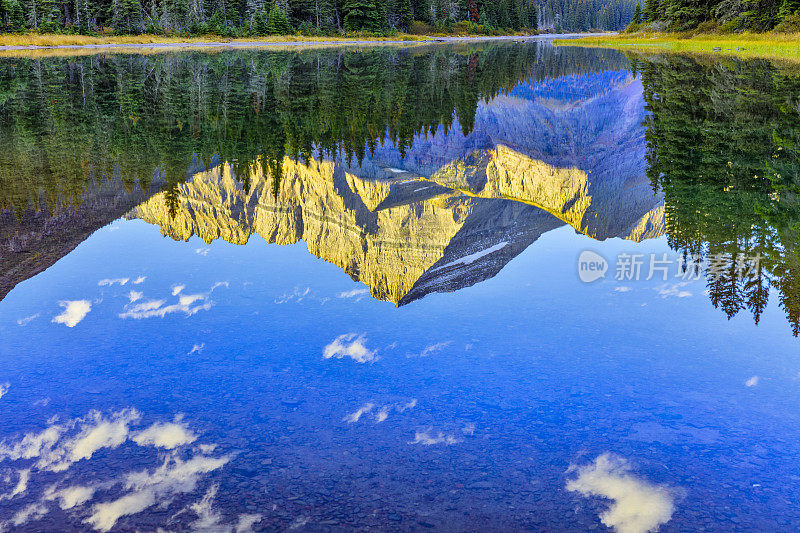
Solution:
(456, 208)
(385, 233)
(404, 236)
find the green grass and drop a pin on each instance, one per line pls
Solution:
(765, 45)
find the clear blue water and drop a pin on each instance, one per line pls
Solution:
(259, 386)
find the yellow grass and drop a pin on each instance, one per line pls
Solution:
(47, 39)
(44, 45)
(764, 45)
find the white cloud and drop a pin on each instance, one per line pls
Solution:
(752, 382)
(299, 522)
(673, 290)
(188, 304)
(71, 496)
(97, 432)
(139, 280)
(23, 476)
(109, 282)
(54, 454)
(167, 435)
(210, 521)
(246, 522)
(427, 439)
(60, 445)
(146, 488)
(197, 348)
(358, 294)
(74, 312)
(25, 321)
(134, 296)
(32, 445)
(637, 506)
(468, 429)
(202, 251)
(105, 515)
(623, 288)
(356, 416)
(4, 388)
(350, 345)
(297, 295)
(430, 349)
(34, 511)
(408, 405)
(382, 414)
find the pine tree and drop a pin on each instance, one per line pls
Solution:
(361, 15)
(406, 14)
(788, 7)
(13, 16)
(279, 22)
(637, 15)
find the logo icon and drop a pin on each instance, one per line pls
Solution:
(591, 266)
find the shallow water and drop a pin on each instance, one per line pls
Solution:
(335, 290)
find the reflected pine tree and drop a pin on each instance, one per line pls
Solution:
(722, 145)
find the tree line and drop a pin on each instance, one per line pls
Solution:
(586, 15)
(260, 17)
(714, 15)
(243, 18)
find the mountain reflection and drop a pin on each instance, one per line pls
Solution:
(415, 170)
(449, 209)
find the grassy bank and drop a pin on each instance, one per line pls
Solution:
(52, 39)
(56, 39)
(766, 45)
(43, 45)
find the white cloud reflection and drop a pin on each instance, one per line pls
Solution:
(357, 294)
(168, 435)
(356, 416)
(74, 312)
(428, 438)
(350, 345)
(61, 444)
(431, 349)
(109, 282)
(189, 304)
(27, 320)
(381, 413)
(637, 506)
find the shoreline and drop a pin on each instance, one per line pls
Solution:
(779, 46)
(132, 47)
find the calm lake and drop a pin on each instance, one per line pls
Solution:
(460, 287)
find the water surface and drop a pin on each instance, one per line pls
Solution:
(365, 289)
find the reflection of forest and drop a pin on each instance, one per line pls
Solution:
(722, 145)
(64, 121)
